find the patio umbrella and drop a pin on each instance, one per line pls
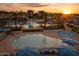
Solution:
(67, 51)
(70, 42)
(28, 52)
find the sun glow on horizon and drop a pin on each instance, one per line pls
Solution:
(67, 12)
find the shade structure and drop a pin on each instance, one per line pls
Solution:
(66, 34)
(71, 41)
(67, 51)
(28, 52)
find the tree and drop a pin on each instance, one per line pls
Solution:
(43, 16)
(30, 14)
(15, 18)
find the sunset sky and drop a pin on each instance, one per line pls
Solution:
(48, 7)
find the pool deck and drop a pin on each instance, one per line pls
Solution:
(6, 47)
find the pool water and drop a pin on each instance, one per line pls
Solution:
(66, 34)
(36, 41)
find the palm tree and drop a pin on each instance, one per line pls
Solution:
(45, 19)
(30, 14)
(15, 18)
(43, 16)
(20, 16)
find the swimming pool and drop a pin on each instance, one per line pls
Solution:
(36, 41)
(66, 34)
